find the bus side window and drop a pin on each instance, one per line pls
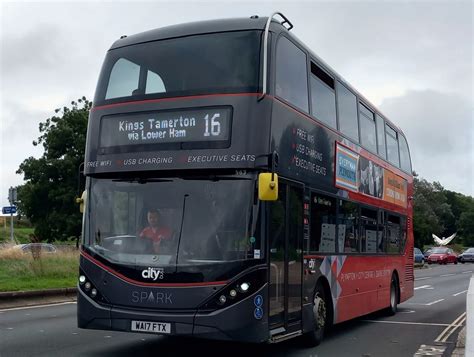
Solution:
(368, 230)
(393, 234)
(392, 146)
(381, 236)
(403, 233)
(381, 149)
(404, 154)
(348, 227)
(367, 128)
(291, 74)
(323, 96)
(347, 112)
(323, 224)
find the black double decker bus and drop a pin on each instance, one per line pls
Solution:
(205, 167)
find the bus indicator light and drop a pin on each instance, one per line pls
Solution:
(222, 299)
(258, 313)
(258, 301)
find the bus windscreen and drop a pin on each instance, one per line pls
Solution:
(176, 221)
(226, 62)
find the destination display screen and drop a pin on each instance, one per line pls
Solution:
(184, 126)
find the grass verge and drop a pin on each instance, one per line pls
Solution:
(21, 234)
(19, 271)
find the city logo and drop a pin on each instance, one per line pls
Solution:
(153, 273)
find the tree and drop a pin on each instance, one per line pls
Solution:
(48, 196)
(432, 213)
(466, 226)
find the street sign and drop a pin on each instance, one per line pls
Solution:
(9, 210)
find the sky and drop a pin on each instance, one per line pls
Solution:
(411, 59)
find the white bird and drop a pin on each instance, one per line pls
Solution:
(443, 241)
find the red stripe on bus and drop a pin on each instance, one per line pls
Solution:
(174, 98)
(135, 282)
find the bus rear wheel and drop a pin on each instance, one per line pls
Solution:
(320, 317)
(393, 308)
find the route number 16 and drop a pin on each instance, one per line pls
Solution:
(215, 125)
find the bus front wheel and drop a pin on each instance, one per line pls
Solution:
(320, 317)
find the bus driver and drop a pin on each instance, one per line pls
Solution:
(154, 232)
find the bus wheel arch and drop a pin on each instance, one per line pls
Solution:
(322, 312)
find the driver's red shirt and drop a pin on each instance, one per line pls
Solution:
(156, 234)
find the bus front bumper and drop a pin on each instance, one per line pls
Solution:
(236, 322)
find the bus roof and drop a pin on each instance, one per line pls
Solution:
(193, 28)
(237, 24)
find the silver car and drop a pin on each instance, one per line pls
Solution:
(466, 256)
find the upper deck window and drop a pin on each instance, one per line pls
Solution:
(323, 98)
(226, 62)
(347, 105)
(367, 128)
(392, 146)
(404, 154)
(381, 136)
(291, 74)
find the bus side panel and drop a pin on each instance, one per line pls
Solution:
(306, 149)
(358, 285)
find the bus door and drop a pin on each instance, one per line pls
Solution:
(285, 244)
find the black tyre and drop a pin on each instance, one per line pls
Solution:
(455, 262)
(394, 297)
(320, 317)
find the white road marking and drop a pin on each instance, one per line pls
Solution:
(406, 323)
(448, 275)
(434, 302)
(407, 312)
(466, 272)
(428, 277)
(425, 350)
(37, 306)
(424, 287)
(459, 293)
(448, 331)
(107, 336)
(9, 328)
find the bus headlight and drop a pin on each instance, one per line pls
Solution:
(94, 292)
(236, 291)
(244, 287)
(82, 279)
(87, 286)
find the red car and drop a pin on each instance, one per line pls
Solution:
(442, 255)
